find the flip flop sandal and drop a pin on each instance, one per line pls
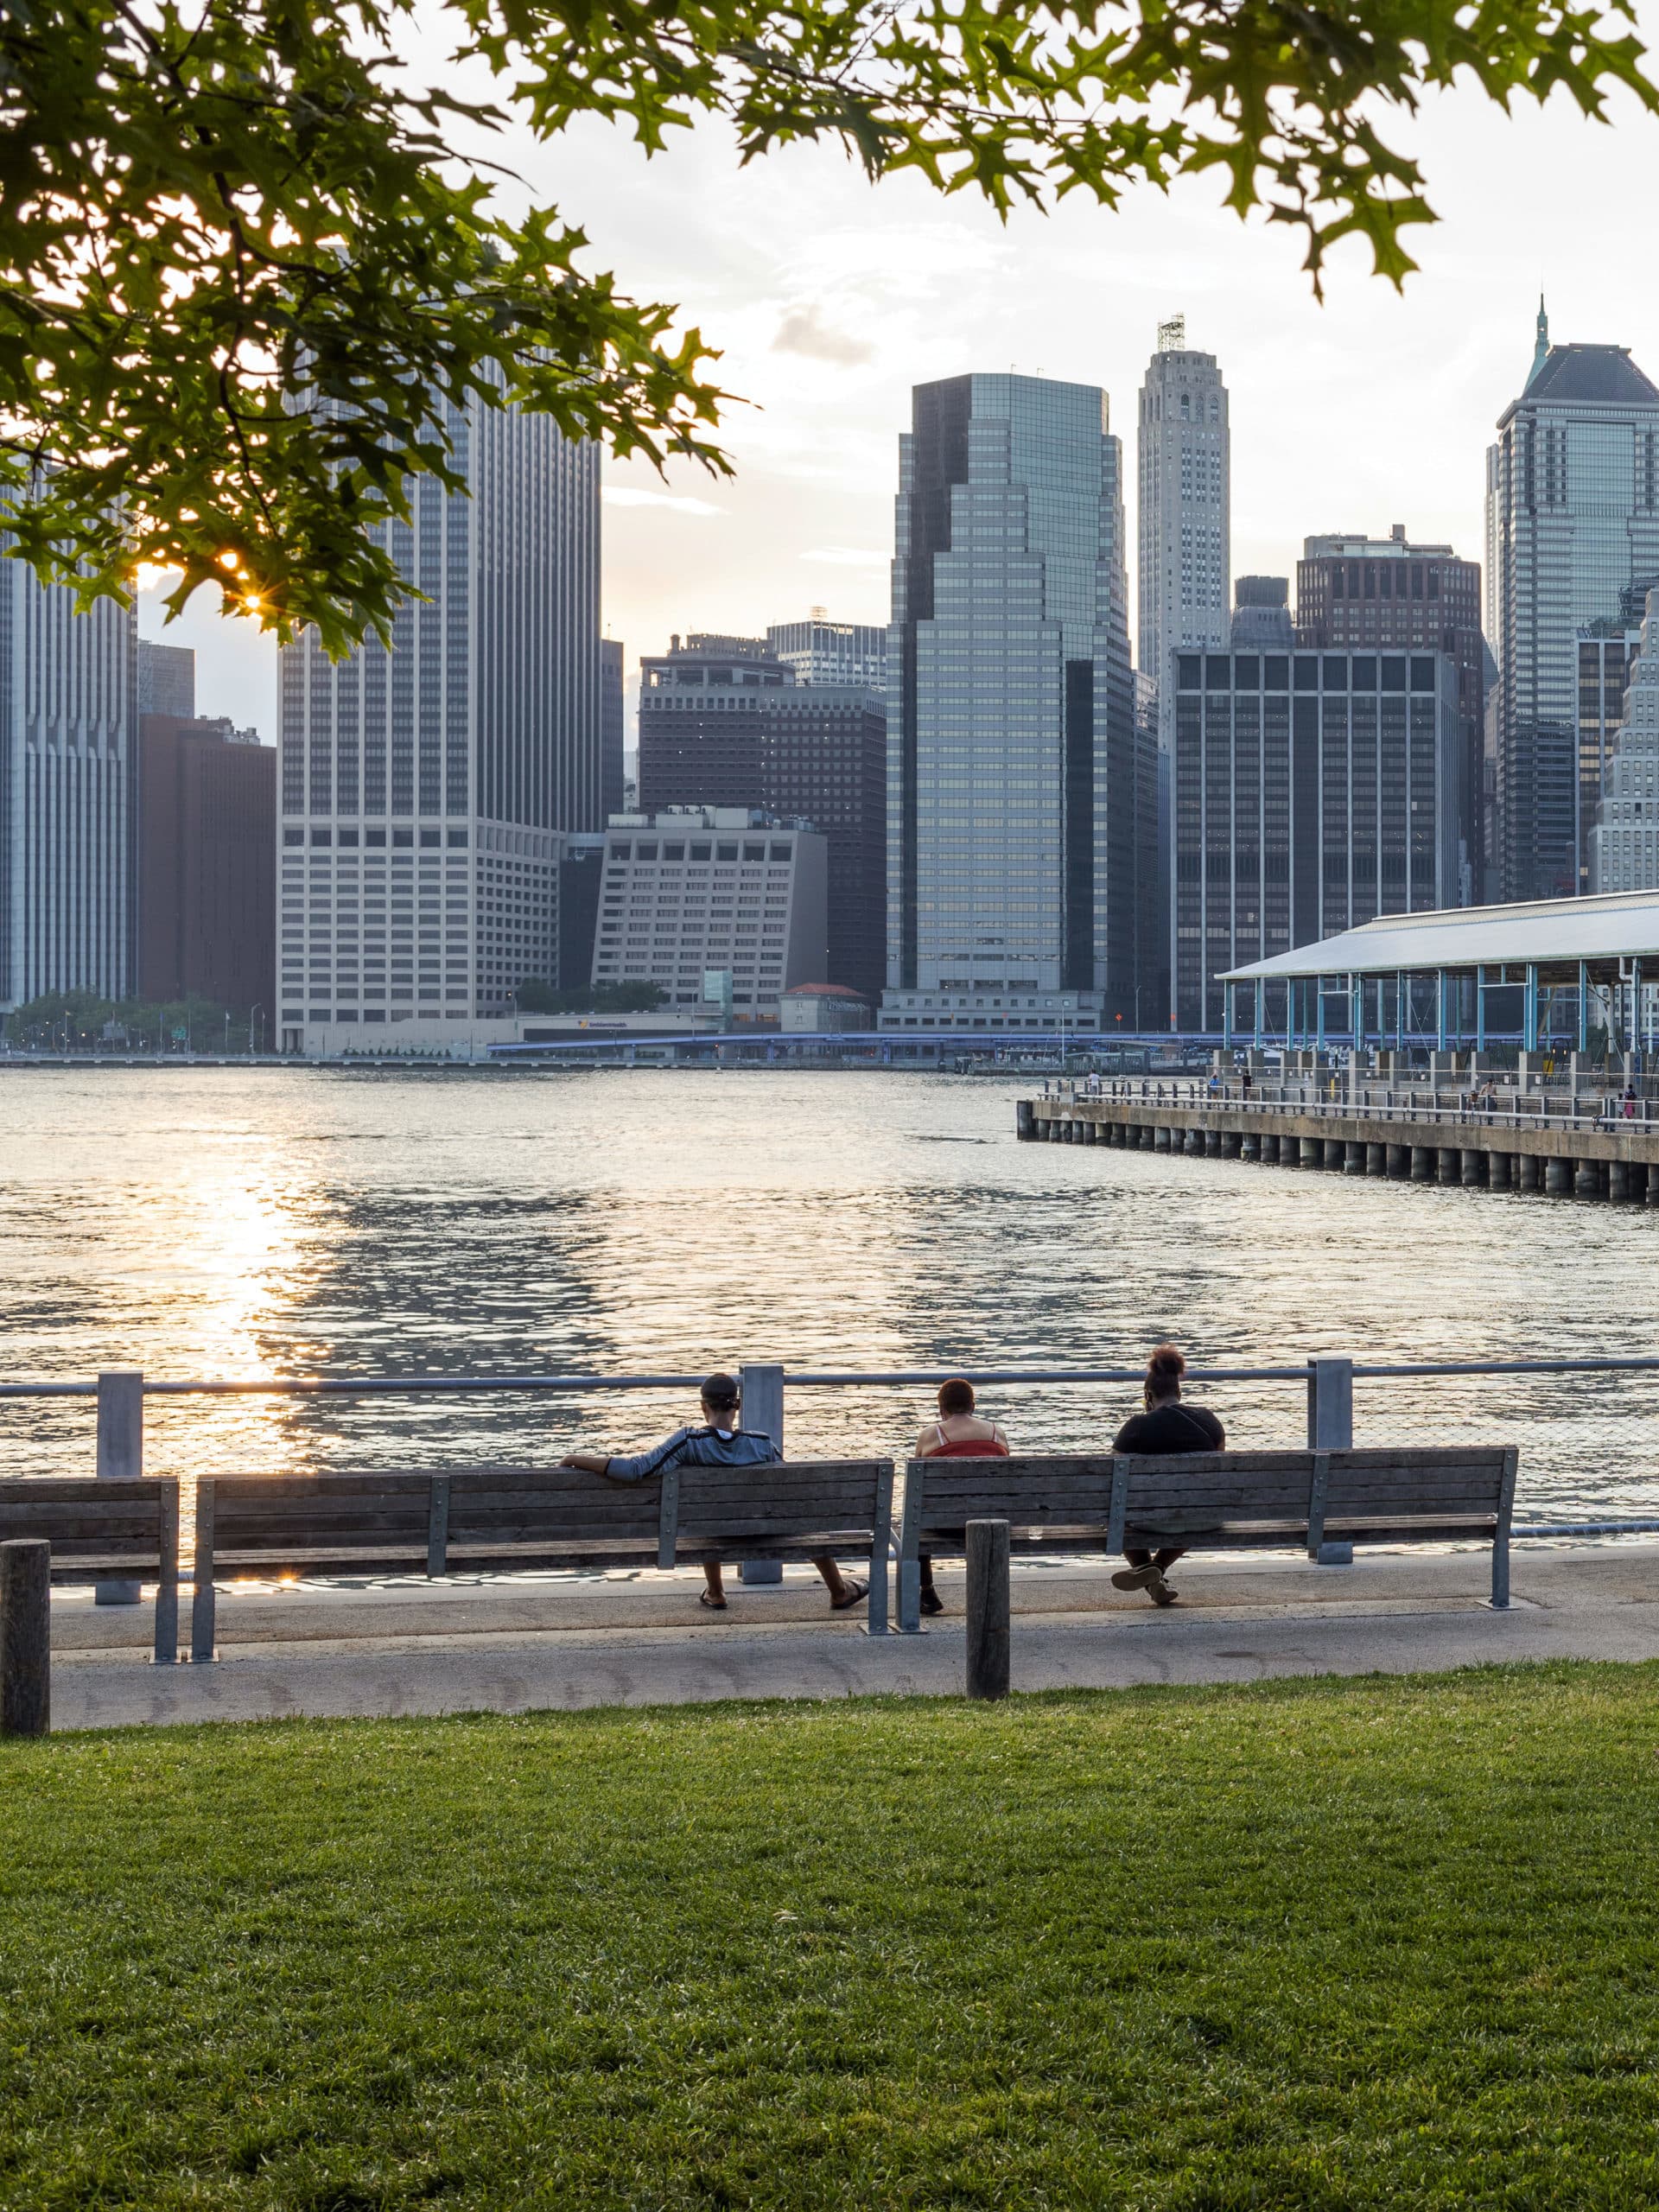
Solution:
(856, 1592)
(714, 1605)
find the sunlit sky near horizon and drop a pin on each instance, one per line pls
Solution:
(830, 298)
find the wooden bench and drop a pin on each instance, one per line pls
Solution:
(102, 1528)
(499, 1519)
(1212, 1501)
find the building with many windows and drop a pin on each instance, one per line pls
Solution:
(692, 894)
(726, 721)
(68, 724)
(613, 727)
(822, 651)
(1020, 821)
(425, 785)
(1185, 576)
(1625, 836)
(207, 865)
(1353, 591)
(1313, 790)
(1572, 522)
(167, 680)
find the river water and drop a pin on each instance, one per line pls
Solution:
(225, 1222)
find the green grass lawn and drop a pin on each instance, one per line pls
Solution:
(1389, 1944)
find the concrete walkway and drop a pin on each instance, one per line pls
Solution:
(511, 1646)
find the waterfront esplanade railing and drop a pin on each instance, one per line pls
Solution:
(1551, 972)
(1325, 1380)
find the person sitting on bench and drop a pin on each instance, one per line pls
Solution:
(719, 1443)
(958, 1433)
(1166, 1426)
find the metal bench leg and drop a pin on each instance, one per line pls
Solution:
(875, 1611)
(910, 1596)
(1501, 1571)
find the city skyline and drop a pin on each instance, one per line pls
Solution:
(885, 288)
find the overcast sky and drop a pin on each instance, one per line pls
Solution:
(831, 298)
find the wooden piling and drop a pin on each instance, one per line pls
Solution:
(25, 1636)
(988, 1609)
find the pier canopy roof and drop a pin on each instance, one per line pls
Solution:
(1602, 933)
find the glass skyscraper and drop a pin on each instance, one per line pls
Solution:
(1019, 847)
(425, 786)
(1625, 838)
(68, 725)
(1572, 521)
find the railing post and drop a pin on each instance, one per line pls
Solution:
(988, 1608)
(1331, 1428)
(25, 1636)
(762, 1384)
(120, 1457)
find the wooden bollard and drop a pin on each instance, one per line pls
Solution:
(25, 1636)
(988, 1609)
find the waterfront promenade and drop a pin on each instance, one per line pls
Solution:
(404, 1648)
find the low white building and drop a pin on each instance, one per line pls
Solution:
(824, 1009)
(696, 889)
(1624, 843)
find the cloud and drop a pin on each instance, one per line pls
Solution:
(848, 556)
(804, 331)
(632, 495)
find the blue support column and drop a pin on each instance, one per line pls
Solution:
(1260, 990)
(1529, 1014)
(1480, 1009)
(1319, 1013)
(1357, 992)
(1584, 1005)
(1227, 1017)
(1637, 1041)
(1400, 1012)
(1439, 1009)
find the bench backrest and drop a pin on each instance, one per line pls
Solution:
(94, 1522)
(1442, 1491)
(800, 1509)
(483, 1516)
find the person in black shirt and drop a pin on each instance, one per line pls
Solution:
(1166, 1426)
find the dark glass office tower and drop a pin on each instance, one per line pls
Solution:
(1018, 831)
(1572, 522)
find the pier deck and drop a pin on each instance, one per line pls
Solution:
(1586, 1154)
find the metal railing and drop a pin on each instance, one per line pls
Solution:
(1607, 1113)
(1327, 1381)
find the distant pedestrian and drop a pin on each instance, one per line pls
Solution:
(1629, 1102)
(1166, 1426)
(1246, 1082)
(719, 1443)
(958, 1433)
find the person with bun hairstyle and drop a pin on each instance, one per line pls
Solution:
(1166, 1426)
(958, 1433)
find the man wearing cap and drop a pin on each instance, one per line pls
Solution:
(719, 1443)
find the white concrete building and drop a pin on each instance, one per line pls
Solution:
(698, 891)
(68, 721)
(425, 787)
(1624, 843)
(1185, 521)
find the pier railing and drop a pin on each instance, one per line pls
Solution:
(1516, 1109)
(1326, 1382)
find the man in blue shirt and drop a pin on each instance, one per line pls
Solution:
(719, 1443)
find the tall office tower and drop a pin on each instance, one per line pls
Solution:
(67, 723)
(1186, 531)
(207, 865)
(1573, 520)
(1625, 836)
(724, 722)
(1312, 791)
(1355, 590)
(167, 680)
(614, 724)
(425, 786)
(822, 651)
(1017, 838)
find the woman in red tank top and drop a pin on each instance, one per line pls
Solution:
(958, 1433)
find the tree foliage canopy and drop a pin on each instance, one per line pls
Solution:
(244, 284)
